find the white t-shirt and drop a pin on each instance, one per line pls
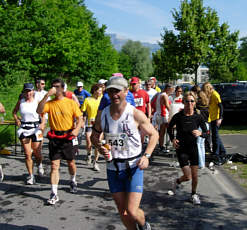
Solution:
(39, 95)
(151, 93)
(28, 111)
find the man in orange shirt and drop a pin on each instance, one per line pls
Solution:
(63, 143)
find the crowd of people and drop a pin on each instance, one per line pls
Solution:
(124, 121)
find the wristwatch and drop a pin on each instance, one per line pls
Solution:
(147, 155)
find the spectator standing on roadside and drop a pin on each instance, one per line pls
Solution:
(215, 119)
(187, 123)
(154, 84)
(2, 110)
(63, 143)
(120, 122)
(81, 93)
(90, 107)
(30, 132)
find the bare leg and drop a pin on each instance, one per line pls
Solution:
(194, 172)
(55, 164)
(26, 143)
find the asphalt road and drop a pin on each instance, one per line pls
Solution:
(24, 207)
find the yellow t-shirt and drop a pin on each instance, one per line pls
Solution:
(157, 88)
(90, 105)
(214, 109)
(62, 113)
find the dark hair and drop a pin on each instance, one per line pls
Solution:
(168, 86)
(196, 88)
(39, 80)
(95, 87)
(178, 87)
(58, 80)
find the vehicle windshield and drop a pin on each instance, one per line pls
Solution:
(233, 90)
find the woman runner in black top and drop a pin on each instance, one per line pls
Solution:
(187, 123)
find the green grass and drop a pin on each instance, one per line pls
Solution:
(8, 97)
(233, 129)
(239, 175)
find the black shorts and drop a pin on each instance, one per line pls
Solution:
(32, 137)
(62, 149)
(187, 156)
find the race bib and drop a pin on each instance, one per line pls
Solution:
(138, 101)
(39, 135)
(118, 142)
(75, 141)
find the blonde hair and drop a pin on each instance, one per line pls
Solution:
(189, 93)
(203, 98)
(208, 89)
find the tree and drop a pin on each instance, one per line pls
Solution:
(124, 64)
(200, 40)
(139, 58)
(52, 38)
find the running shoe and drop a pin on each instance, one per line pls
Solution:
(195, 199)
(41, 171)
(175, 185)
(53, 199)
(96, 166)
(30, 180)
(1, 173)
(73, 187)
(89, 159)
(147, 226)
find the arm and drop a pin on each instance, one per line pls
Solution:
(149, 110)
(147, 128)
(218, 122)
(166, 102)
(96, 132)
(170, 132)
(2, 109)
(15, 110)
(41, 105)
(78, 125)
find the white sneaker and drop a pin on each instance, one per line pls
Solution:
(96, 166)
(195, 199)
(30, 180)
(41, 171)
(53, 199)
(1, 173)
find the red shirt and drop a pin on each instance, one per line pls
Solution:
(141, 99)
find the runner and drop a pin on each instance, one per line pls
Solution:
(120, 123)
(30, 130)
(63, 143)
(187, 123)
(90, 107)
(2, 110)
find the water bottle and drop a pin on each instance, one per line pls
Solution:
(108, 157)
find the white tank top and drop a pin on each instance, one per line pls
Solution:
(28, 111)
(122, 134)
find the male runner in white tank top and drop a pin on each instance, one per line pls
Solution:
(121, 123)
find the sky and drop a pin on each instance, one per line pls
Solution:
(144, 20)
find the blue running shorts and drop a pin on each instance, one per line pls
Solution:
(121, 182)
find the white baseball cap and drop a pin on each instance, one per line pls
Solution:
(79, 84)
(102, 81)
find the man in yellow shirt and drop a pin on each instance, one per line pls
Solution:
(63, 143)
(90, 108)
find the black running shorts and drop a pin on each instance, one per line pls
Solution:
(62, 149)
(188, 156)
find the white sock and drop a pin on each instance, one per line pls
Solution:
(54, 188)
(72, 177)
(40, 165)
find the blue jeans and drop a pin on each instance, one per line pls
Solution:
(218, 147)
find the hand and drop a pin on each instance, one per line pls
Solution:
(175, 143)
(104, 151)
(74, 132)
(218, 122)
(143, 163)
(52, 91)
(42, 127)
(196, 133)
(18, 123)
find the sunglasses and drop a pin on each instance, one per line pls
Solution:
(42, 83)
(56, 86)
(189, 101)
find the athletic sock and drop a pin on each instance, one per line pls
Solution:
(54, 188)
(72, 177)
